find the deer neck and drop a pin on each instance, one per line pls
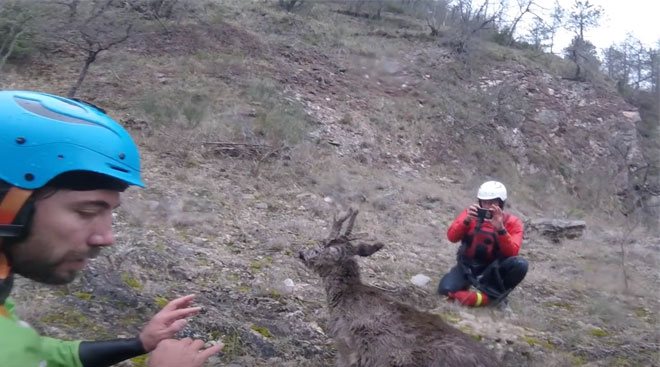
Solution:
(339, 280)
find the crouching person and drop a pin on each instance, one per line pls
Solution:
(488, 256)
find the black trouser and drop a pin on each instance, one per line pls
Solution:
(510, 270)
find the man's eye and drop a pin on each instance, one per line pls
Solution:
(86, 213)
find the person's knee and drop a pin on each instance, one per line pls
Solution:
(519, 265)
(444, 289)
(449, 285)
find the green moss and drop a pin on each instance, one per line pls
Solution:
(131, 282)
(215, 335)
(140, 361)
(542, 343)
(63, 291)
(243, 289)
(261, 330)
(256, 265)
(599, 333)
(622, 362)
(161, 302)
(451, 318)
(75, 320)
(82, 295)
(641, 313)
(560, 304)
(577, 360)
(129, 320)
(233, 344)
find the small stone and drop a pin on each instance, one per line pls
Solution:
(420, 280)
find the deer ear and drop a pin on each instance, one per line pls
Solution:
(364, 249)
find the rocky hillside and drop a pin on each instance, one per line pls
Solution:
(258, 125)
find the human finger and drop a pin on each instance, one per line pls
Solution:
(172, 315)
(206, 353)
(179, 302)
(197, 344)
(176, 326)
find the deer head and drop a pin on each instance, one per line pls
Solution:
(337, 249)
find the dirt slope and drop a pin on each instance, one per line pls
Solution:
(388, 128)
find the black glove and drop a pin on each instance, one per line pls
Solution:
(108, 352)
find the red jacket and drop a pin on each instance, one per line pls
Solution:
(509, 243)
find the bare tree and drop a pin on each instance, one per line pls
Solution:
(654, 65)
(471, 18)
(14, 22)
(97, 26)
(583, 16)
(539, 33)
(436, 14)
(556, 22)
(583, 53)
(73, 8)
(524, 7)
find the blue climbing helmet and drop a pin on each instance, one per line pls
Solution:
(43, 136)
(46, 140)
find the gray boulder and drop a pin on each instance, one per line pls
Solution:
(557, 229)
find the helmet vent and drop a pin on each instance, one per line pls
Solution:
(118, 168)
(38, 109)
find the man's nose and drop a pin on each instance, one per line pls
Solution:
(103, 235)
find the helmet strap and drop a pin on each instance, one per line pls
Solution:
(10, 205)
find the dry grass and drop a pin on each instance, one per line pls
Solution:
(409, 169)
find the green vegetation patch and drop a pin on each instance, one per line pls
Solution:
(140, 361)
(161, 302)
(261, 330)
(449, 317)
(599, 333)
(75, 320)
(542, 343)
(233, 344)
(131, 282)
(561, 304)
(83, 295)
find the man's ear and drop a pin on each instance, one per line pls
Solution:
(364, 249)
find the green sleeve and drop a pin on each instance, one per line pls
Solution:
(20, 345)
(60, 353)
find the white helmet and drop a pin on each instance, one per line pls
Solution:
(492, 190)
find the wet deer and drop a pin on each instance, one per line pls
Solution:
(371, 329)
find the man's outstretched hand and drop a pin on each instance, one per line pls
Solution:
(181, 353)
(169, 321)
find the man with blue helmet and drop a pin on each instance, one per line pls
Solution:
(64, 165)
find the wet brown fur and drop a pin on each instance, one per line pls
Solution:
(374, 330)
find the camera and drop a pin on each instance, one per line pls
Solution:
(484, 214)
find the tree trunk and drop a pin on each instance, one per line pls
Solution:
(91, 57)
(10, 49)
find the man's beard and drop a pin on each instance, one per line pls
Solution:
(47, 272)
